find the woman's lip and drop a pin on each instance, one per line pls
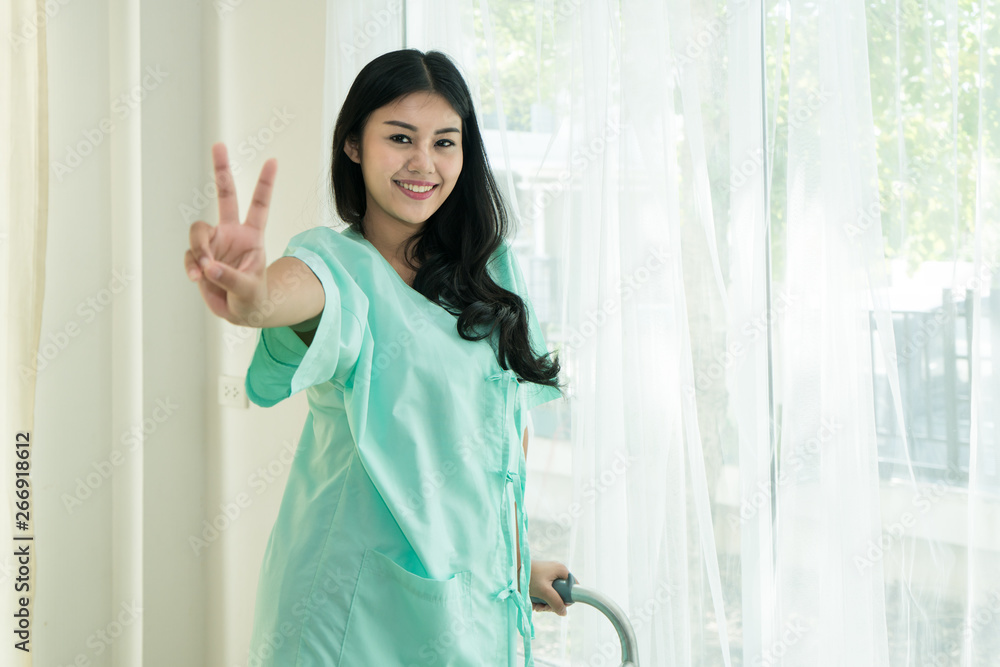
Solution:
(416, 195)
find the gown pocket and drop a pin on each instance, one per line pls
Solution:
(400, 618)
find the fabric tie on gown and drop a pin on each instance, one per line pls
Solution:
(514, 486)
(525, 625)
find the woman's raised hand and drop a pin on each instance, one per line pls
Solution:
(228, 260)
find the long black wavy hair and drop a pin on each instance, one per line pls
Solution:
(453, 246)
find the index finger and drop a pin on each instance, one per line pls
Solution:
(229, 211)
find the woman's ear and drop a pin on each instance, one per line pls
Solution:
(352, 149)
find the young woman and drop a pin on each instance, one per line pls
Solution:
(401, 528)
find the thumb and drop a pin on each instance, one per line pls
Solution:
(556, 603)
(233, 281)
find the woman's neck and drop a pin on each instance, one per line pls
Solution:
(390, 241)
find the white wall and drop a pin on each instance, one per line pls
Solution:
(153, 343)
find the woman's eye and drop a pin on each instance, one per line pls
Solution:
(398, 138)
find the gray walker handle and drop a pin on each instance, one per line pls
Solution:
(570, 592)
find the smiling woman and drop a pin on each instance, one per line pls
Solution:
(414, 337)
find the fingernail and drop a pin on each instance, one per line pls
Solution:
(193, 274)
(216, 272)
(204, 261)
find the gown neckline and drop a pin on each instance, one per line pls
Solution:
(395, 274)
(385, 262)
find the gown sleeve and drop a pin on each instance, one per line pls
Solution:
(282, 363)
(507, 274)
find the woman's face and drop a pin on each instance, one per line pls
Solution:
(412, 143)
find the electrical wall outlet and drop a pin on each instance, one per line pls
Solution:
(232, 392)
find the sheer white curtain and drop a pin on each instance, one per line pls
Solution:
(933, 71)
(646, 295)
(23, 225)
(828, 501)
(771, 516)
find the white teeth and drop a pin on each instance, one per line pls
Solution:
(415, 188)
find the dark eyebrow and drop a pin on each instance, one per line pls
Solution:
(411, 128)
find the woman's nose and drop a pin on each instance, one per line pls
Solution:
(420, 160)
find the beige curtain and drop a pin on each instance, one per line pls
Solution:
(24, 207)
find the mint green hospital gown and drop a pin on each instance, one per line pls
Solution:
(394, 543)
